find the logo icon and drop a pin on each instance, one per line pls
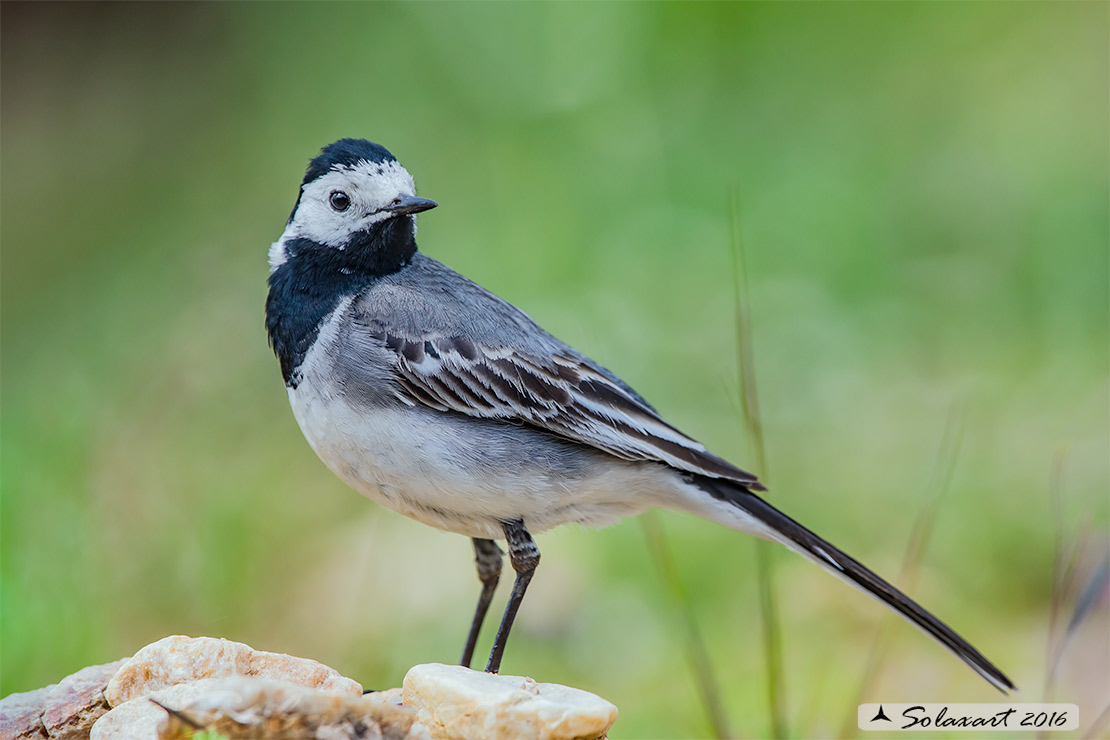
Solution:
(881, 716)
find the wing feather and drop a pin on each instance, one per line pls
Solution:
(558, 392)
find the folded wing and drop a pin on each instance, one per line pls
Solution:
(558, 392)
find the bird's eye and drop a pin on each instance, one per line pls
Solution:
(339, 200)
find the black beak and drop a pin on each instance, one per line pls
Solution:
(404, 205)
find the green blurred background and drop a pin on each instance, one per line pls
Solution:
(922, 193)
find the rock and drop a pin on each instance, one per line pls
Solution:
(62, 711)
(396, 719)
(456, 703)
(178, 686)
(177, 659)
(78, 701)
(243, 707)
(141, 719)
(21, 714)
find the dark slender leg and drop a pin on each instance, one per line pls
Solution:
(524, 556)
(487, 556)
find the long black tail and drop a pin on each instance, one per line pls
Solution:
(796, 537)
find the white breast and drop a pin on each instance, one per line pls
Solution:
(429, 472)
(458, 473)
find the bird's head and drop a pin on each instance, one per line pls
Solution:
(355, 198)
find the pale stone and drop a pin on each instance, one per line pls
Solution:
(21, 714)
(456, 703)
(395, 718)
(241, 707)
(178, 685)
(78, 701)
(302, 672)
(177, 659)
(141, 718)
(138, 719)
(62, 711)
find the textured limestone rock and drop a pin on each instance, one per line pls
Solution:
(62, 711)
(177, 659)
(140, 718)
(177, 686)
(242, 707)
(21, 714)
(456, 703)
(78, 701)
(393, 717)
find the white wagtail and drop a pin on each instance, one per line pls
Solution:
(430, 395)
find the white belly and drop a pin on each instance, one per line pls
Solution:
(469, 475)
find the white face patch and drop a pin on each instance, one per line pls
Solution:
(370, 187)
(277, 254)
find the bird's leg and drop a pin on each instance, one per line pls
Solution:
(487, 556)
(524, 556)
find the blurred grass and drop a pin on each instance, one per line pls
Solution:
(925, 195)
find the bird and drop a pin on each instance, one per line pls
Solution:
(435, 398)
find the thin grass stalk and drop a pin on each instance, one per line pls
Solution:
(749, 400)
(1089, 595)
(943, 471)
(1085, 598)
(709, 688)
(1065, 588)
(1065, 572)
(1056, 596)
(772, 637)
